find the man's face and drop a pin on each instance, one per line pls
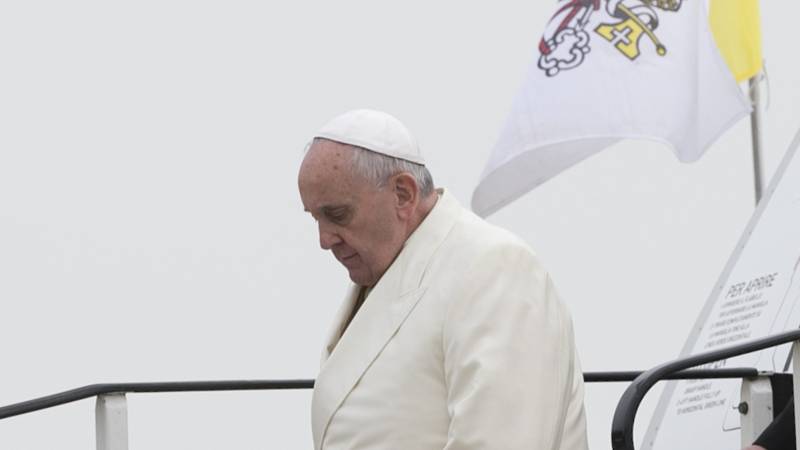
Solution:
(357, 221)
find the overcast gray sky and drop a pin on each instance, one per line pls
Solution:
(150, 227)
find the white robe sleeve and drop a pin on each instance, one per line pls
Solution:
(509, 359)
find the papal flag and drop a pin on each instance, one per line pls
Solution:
(607, 70)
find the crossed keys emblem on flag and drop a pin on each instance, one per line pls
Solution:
(625, 35)
(565, 43)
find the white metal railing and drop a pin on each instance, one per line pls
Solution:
(625, 414)
(111, 422)
(112, 415)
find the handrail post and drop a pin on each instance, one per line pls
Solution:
(796, 385)
(111, 422)
(755, 408)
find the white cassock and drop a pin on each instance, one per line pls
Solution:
(462, 345)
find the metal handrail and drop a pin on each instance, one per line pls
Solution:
(625, 414)
(691, 374)
(94, 390)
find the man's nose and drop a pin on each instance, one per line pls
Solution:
(327, 238)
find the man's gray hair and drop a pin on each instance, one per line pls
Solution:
(378, 168)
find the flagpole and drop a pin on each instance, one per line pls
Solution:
(756, 128)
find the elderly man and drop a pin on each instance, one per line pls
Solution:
(452, 335)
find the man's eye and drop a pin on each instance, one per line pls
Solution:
(338, 216)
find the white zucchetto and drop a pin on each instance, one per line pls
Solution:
(375, 131)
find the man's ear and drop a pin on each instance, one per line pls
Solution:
(406, 191)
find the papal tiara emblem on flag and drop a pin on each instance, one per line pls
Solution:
(624, 24)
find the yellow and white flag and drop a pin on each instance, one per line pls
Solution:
(607, 70)
(736, 25)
